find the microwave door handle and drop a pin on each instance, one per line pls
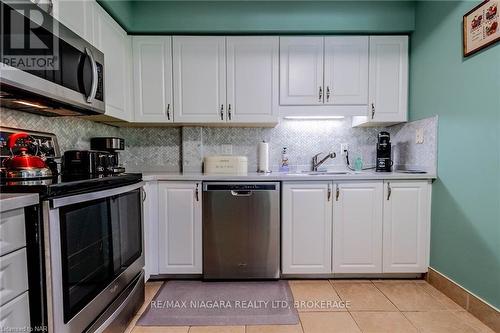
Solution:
(93, 89)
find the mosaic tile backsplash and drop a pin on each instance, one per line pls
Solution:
(305, 138)
(152, 149)
(174, 149)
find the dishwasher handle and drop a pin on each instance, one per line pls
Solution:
(240, 187)
(241, 193)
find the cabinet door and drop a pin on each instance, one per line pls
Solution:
(406, 226)
(113, 41)
(199, 79)
(306, 228)
(388, 83)
(153, 79)
(252, 79)
(301, 70)
(357, 227)
(180, 228)
(76, 15)
(346, 70)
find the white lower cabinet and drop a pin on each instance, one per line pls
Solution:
(179, 226)
(306, 228)
(357, 227)
(14, 303)
(406, 226)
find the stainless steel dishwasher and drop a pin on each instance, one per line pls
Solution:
(241, 230)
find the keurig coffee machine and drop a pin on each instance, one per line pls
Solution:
(384, 162)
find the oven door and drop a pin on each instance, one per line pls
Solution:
(95, 246)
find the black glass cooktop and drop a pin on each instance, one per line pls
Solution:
(68, 185)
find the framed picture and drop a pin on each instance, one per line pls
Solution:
(481, 26)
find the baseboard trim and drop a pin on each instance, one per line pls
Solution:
(472, 303)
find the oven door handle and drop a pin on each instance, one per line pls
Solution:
(79, 198)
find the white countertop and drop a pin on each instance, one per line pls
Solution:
(10, 201)
(279, 176)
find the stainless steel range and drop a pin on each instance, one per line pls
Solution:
(85, 250)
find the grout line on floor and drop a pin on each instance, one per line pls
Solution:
(352, 317)
(387, 297)
(408, 320)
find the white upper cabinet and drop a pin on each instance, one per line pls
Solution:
(76, 15)
(357, 227)
(388, 82)
(306, 228)
(153, 95)
(301, 70)
(113, 41)
(180, 235)
(346, 70)
(199, 70)
(406, 226)
(252, 79)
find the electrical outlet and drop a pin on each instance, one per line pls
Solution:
(343, 148)
(419, 136)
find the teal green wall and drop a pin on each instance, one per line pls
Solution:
(465, 93)
(261, 17)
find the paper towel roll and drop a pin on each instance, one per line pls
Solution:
(263, 156)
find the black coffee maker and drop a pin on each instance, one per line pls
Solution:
(111, 159)
(384, 161)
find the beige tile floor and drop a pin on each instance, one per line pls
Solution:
(393, 306)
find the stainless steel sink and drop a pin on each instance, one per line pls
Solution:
(318, 173)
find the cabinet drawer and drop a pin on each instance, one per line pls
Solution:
(16, 314)
(13, 275)
(12, 234)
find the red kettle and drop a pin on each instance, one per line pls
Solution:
(24, 165)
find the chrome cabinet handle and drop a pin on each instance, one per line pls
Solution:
(329, 192)
(222, 112)
(145, 194)
(93, 89)
(168, 111)
(337, 194)
(197, 192)
(389, 191)
(327, 93)
(320, 95)
(373, 110)
(229, 111)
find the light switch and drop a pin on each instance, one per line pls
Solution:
(419, 136)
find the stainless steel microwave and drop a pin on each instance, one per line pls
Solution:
(45, 67)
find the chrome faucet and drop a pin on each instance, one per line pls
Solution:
(316, 164)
